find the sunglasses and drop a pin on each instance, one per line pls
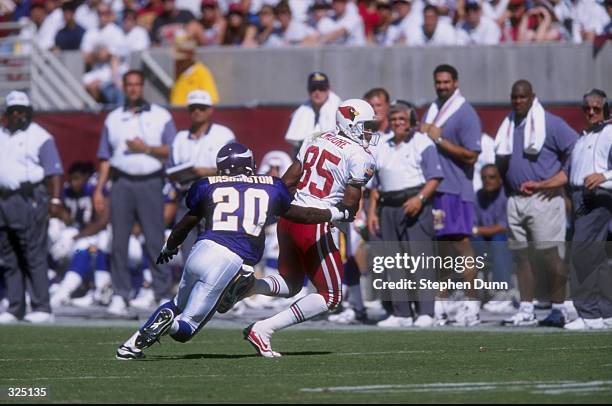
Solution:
(595, 109)
(320, 88)
(199, 107)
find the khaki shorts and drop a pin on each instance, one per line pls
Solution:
(536, 219)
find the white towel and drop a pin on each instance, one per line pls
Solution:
(438, 117)
(534, 134)
(302, 122)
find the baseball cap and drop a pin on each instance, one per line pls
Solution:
(318, 80)
(209, 3)
(17, 98)
(235, 8)
(199, 97)
(472, 5)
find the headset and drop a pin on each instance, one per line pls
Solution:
(602, 94)
(414, 119)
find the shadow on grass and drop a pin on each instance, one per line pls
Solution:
(229, 356)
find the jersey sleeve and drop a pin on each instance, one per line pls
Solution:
(197, 193)
(361, 169)
(284, 197)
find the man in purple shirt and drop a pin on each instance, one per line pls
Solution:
(457, 137)
(536, 208)
(490, 234)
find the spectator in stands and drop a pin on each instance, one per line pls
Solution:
(539, 24)
(477, 29)
(608, 28)
(491, 225)
(386, 32)
(149, 13)
(265, 33)
(318, 114)
(347, 28)
(69, 38)
(54, 21)
(369, 14)
(409, 17)
(211, 28)
(87, 14)
(237, 27)
(290, 30)
(495, 10)
(447, 11)
(591, 18)
(38, 13)
(512, 20)
(136, 37)
(433, 32)
(102, 82)
(191, 74)
(170, 26)
(108, 36)
(532, 146)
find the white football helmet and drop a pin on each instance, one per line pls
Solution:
(355, 118)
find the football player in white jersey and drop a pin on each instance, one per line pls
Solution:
(329, 173)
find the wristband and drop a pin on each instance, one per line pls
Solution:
(475, 230)
(55, 201)
(336, 214)
(439, 140)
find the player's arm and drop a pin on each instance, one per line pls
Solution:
(455, 151)
(343, 211)
(182, 229)
(292, 176)
(98, 224)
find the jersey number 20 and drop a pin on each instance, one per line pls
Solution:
(316, 158)
(227, 202)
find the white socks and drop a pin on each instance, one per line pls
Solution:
(306, 308)
(273, 285)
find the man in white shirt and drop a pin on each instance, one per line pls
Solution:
(433, 32)
(136, 37)
(477, 29)
(87, 15)
(108, 36)
(196, 149)
(590, 178)
(318, 114)
(349, 29)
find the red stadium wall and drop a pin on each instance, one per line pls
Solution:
(262, 128)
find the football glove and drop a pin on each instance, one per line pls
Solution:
(166, 254)
(342, 212)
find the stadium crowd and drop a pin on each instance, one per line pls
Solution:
(438, 178)
(106, 32)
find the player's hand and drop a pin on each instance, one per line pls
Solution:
(594, 180)
(166, 254)
(342, 212)
(373, 224)
(412, 206)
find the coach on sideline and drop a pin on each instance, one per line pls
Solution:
(590, 178)
(133, 148)
(29, 157)
(408, 171)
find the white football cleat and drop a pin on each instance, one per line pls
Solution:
(6, 318)
(145, 300)
(521, 318)
(608, 323)
(395, 322)
(424, 321)
(347, 316)
(468, 314)
(84, 301)
(117, 306)
(260, 341)
(499, 306)
(581, 324)
(39, 317)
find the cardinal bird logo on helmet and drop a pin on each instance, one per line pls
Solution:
(348, 112)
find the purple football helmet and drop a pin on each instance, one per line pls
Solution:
(235, 159)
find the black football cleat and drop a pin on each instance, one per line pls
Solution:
(240, 286)
(151, 333)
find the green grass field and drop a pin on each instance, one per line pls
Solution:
(78, 365)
